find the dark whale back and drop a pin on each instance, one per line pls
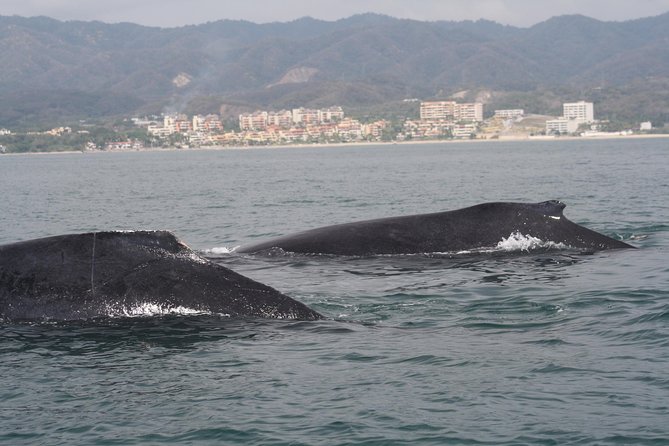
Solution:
(480, 226)
(89, 275)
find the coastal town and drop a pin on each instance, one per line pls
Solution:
(264, 127)
(437, 120)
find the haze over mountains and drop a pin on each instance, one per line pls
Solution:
(53, 70)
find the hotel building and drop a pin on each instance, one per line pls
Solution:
(451, 111)
(582, 112)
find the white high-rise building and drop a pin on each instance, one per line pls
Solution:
(283, 118)
(469, 112)
(581, 112)
(451, 111)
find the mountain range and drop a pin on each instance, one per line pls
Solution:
(54, 71)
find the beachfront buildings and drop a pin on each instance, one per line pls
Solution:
(304, 125)
(561, 126)
(262, 127)
(574, 114)
(285, 119)
(198, 130)
(581, 111)
(444, 119)
(451, 111)
(253, 121)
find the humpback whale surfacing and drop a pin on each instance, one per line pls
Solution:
(481, 226)
(82, 276)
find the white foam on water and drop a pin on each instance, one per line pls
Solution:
(150, 309)
(519, 242)
(515, 242)
(221, 250)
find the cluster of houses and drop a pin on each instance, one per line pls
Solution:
(306, 125)
(444, 119)
(303, 125)
(299, 125)
(198, 130)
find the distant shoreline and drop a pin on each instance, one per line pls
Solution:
(520, 138)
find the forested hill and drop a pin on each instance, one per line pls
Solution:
(54, 70)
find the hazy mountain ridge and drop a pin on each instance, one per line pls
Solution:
(363, 60)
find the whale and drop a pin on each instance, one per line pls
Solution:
(472, 228)
(111, 273)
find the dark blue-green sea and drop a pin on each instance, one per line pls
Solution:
(548, 347)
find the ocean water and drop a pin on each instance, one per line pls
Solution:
(549, 347)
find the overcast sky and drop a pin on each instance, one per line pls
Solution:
(169, 13)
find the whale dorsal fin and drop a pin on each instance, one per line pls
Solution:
(550, 208)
